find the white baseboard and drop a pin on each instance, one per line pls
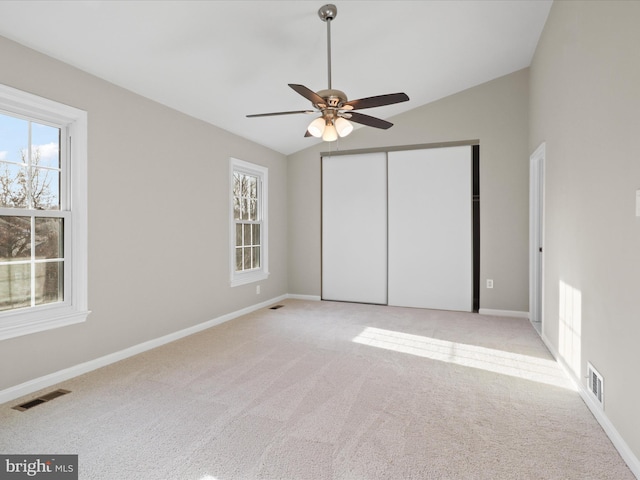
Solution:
(618, 442)
(36, 384)
(503, 313)
(313, 298)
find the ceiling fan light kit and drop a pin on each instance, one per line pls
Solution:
(343, 127)
(316, 128)
(334, 108)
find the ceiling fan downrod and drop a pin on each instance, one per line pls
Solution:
(327, 13)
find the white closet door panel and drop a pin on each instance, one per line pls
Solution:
(354, 228)
(430, 228)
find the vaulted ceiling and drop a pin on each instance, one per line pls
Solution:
(221, 60)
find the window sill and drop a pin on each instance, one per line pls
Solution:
(248, 277)
(25, 323)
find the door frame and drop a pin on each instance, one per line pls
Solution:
(536, 236)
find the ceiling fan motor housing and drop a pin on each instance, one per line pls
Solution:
(334, 98)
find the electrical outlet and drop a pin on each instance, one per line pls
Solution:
(257, 289)
(489, 283)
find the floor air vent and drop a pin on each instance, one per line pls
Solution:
(596, 384)
(275, 307)
(40, 400)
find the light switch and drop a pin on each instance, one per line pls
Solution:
(637, 203)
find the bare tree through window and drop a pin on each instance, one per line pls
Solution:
(246, 217)
(31, 244)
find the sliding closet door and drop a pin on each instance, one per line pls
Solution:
(354, 228)
(430, 228)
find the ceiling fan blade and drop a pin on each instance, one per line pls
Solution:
(307, 134)
(309, 94)
(378, 101)
(368, 120)
(278, 113)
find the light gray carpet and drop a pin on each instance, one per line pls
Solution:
(325, 390)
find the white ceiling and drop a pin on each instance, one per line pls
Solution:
(221, 60)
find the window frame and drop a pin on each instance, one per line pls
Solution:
(262, 173)
(73, 124)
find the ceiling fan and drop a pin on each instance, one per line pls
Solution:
(332, 104)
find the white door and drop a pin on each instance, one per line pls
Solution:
(536, 222)
(430, 228)
(354, 228)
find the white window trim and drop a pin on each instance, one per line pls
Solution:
(243, 278)
(75, 307)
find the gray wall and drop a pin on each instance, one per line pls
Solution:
(496, 113)
(158, 220)
(585, 99)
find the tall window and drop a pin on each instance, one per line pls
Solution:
(42, 235)
(248, 222)
(32, 259)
